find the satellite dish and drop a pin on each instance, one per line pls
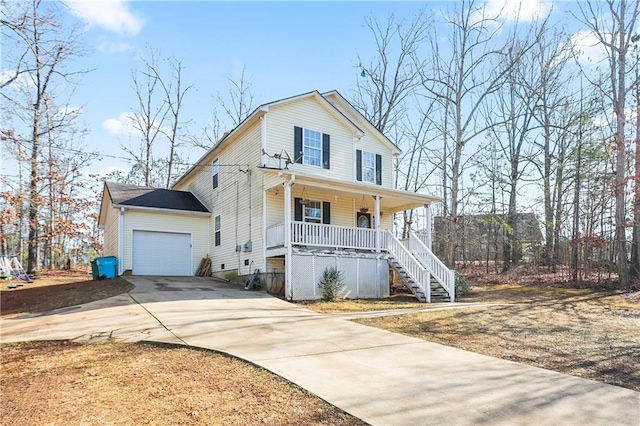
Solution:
(287, 157)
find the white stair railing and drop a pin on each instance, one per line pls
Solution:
(445, 276)
(418, 273)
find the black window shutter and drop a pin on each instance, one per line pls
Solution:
(297, 210)
(358, 165)
(326, 212)
(378, 169)
(297, 144)
(325, 151)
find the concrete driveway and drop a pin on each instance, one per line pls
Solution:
(381, 377)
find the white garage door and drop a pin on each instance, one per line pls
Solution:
(161, 253)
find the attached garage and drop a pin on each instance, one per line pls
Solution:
(154, 231)
(161, 253)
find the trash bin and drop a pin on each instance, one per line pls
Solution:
(106, 267)
(94, 270)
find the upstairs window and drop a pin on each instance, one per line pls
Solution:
(368, 167)
(311, 147)
(215, 169)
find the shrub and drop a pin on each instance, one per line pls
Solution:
(331, 283)
(463, 286)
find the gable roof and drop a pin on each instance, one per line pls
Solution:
(264, 108)
(153, 198)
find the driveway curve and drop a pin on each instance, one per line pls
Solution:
(381, 377)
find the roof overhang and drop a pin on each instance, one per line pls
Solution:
(390, 199)
(161, 210)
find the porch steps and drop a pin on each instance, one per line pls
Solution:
(438, 293)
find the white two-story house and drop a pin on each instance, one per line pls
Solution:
(302, 184)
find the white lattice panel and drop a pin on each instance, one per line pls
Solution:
(367, 274)
(383, 278)
(349, 268)
(302, 283)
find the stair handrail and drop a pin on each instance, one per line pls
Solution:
(414, 268)
(445, 276)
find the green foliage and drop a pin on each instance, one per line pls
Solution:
(463, 286)
(331, 283)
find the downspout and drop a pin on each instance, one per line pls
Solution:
(377, 217)
(121, 242)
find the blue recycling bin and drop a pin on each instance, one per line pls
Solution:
(107, 267)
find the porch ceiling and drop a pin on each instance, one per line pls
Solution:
(391, 200)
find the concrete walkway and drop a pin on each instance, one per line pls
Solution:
(381, 377)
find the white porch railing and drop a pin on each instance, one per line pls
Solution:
(418, 273)
(316, 234)
(274, 235)
(445, 276)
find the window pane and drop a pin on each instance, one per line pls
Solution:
(313, 212)
(368, 167)
(312, 148)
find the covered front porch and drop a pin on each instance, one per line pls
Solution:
(312, 223)
(308, 211)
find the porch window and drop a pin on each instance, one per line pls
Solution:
(368, 167)
(311, 147)
(217, 231)
(312, 212)
(215, 168)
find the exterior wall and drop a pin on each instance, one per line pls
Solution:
(365, 276)
(138, 220)
(231, 201)
(308, 113)
(111, 231)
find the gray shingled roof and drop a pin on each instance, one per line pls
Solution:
(142, 196)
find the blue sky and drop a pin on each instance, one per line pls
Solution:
(287, 47)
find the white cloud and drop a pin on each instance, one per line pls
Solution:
(518, 10)
(590, 50)
(110, 47)
(111, 15)
(119, 126)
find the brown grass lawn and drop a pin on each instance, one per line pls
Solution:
(585, 333)
(125, 383)
(136, 384)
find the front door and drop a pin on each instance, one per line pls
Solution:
(363, 220)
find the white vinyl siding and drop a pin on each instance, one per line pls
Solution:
(309, 114)
(111, 236)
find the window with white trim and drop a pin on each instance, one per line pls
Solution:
(217, 231)
(312, 212)
(368, 167)
(215, 168)
(312, 148)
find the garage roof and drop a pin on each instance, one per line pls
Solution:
(155, 198)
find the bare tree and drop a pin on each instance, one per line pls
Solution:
(240, 103)
(459, 80)
(41, 48)
(614, 29)
(390, 78)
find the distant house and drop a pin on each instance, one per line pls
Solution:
(302, 184)
(481, 236)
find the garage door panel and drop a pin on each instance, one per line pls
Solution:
(161, 253)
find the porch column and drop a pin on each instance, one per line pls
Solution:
(428, 224)
(287, 240)
(377, 217)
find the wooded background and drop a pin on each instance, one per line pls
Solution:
(497, 122)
